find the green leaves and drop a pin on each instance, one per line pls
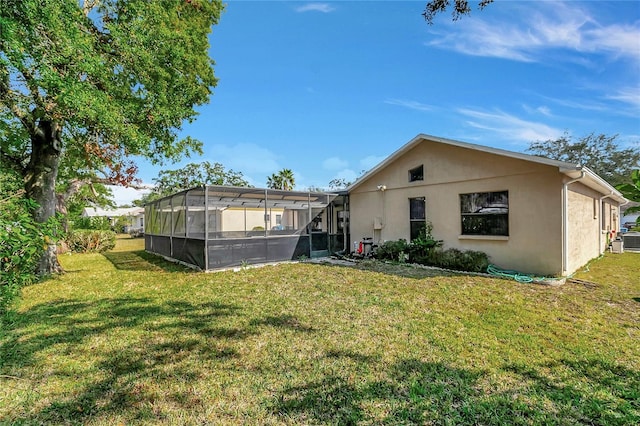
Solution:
(22, 241)
(193, 175)
(123, 74)
(631, 191)
(284, 180)
(598, 152)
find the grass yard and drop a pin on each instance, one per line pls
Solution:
(125, 338)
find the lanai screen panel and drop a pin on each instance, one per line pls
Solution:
(216, 227)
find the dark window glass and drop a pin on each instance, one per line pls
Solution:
(416, 174)
(485, 213)
(417, 216)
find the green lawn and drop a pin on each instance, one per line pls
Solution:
(124, 338)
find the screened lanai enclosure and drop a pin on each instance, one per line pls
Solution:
(216, 227)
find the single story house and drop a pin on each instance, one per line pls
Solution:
(528, 213)
(134, 216)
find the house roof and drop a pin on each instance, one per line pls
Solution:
(573, 171)
(223, 197)
(99, 212)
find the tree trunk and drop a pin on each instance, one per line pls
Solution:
(40, 184)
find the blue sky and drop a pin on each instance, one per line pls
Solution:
(331, 88)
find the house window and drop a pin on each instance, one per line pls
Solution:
(416, 174)
(485, 213)
(417, 216)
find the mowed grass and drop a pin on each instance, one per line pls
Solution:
(126, 338)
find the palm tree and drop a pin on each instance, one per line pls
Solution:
(284, 180)
(288, 181)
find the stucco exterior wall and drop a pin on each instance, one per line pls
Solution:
(586, 240)
(234, 219)
(534, 243)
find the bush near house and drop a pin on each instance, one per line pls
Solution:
(426, 250)
(90, 240)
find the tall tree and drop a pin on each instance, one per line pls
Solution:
(460, 7)
(97, 81)
(284, 179)
(598, 152)
(196, 174)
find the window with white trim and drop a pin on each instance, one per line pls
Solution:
(485, 213)
(417, 216)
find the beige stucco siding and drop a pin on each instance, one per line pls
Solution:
(534, 243)
(583, 226)
(240, 219)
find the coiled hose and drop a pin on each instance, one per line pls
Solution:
(505, 273)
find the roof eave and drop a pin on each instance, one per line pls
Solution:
(569, 169)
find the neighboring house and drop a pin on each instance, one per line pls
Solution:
(629, 217)
(134, 216)
(527, 213)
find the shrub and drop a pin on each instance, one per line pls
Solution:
(22, 242)
(90, 240)
(392, 250)
(470, 260)
(421, 246)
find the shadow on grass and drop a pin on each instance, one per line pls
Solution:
(139, 341)
(637, 299)
(140, 260)
(416, 392)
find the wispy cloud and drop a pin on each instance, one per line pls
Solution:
(316, 7)
(418, 106)
(544, 110)
(334, 163)
(556, 25)
(628, 95)
(370, 161)
(509, 127)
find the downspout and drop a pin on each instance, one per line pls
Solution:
(600, 249)
(565, 221)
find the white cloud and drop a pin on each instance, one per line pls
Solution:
(555, 25)
(316, 7)
(584, 104)
(409, 104)
(123, 196)
(334, 163)
(544, 110)
(370, 161)
(510, 127)
(628, 95)
(346, 174)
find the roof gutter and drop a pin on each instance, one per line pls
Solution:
(565, 221)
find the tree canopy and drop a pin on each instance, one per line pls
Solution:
(460, 7)
(284, 179)
(598, 152)
(95, 82)
(195, 174)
